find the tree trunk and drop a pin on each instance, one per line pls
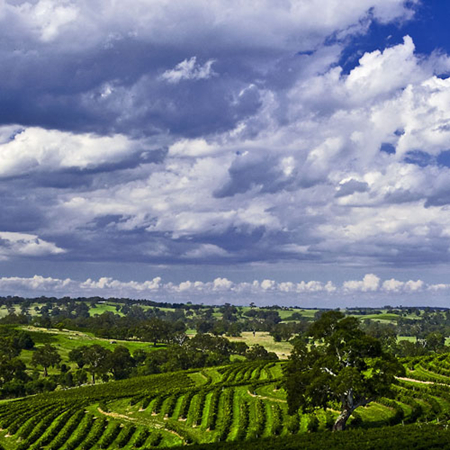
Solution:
(339, 425)
(45, 371)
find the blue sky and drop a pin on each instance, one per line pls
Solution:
(289, 152)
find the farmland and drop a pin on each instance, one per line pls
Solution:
(241, 402)
(183, 386)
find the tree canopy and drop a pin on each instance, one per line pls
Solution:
(46, 356)
(342, 368)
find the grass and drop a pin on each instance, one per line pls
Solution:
(282, 349)
(286, 313)
(66, 340)
(104, 307)
(384, 318)
(375, 413)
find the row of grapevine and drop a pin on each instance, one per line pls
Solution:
(197, 407)
(244, 402)
(227, 414)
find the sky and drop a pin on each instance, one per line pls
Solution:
(290, 152)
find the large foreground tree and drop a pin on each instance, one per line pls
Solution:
(342, 368)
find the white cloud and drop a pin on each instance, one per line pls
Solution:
(414, 285)
(36, 283)
(35, 149)
(47, 18)
(22, 244)
(393, 285)
(293, 170)
(380, 73)
(108, 283)
(222, 284)
(370, 282)
(253, 24)
(189, 70)
(193, 148)
(266, 291)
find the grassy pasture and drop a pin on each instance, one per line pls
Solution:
(282, 349)
(100, 308)
(67, 340)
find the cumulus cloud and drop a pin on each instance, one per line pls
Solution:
(239, 136)
(26, 150)
(189, 69)
(370, 282)
(101, 71)
(312, 186)
(350, 187)
(263, 292)
(20, 244)
(37, 283)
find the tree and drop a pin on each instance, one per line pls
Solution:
(258, 352)
(156, 330)
(77, 356)
(12, 369)
(120, 363)
(46, 356)
(347, 367)
(281, 332)
(96, 357)
(435, 341)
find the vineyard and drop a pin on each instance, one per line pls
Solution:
(235, 403)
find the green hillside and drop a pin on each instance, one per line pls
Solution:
(235, 403)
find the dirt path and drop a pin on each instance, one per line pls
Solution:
(115, 415)
(122, 416)
(266, 398)
(175, 433)
(420, 381)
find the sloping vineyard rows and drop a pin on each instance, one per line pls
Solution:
(398, 437)
(243, 403)
(74, 419)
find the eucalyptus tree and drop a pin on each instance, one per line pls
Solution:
(342, 367)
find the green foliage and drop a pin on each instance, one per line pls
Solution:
(46, 356)
(125, 436)
(349, 367)
(244, 421)
(227, 414)
(109, 435)
(432, 437)
(258, 352)
(140, 437)
(241, 402)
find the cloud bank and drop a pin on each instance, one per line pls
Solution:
(223, 133)
(262, 292)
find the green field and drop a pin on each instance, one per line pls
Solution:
(67, 340)
(282, 349)
(234, 403)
